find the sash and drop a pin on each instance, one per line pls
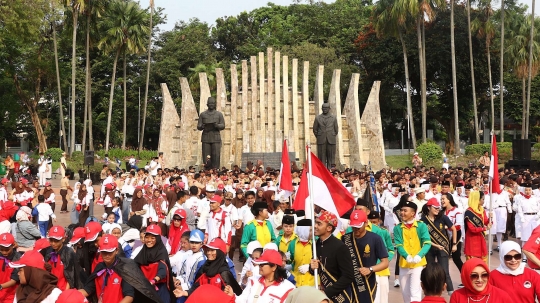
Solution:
(474, 219)
(328, 280)
(438, 237)
(362, 291)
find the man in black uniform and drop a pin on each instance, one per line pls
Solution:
(333, 263)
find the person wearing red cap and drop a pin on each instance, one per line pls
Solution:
(441, 248)
(369, 255)
(8, 276)
(90, 254)
(215, 270)
(116, 279)
(271, 286)
(62, 260)
(218, 223)
(153, 260)
(177, 228)
(37, 284)
(333, 261)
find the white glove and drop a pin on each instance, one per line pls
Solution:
(303, 268)
(409, 259)
(417, 259)
(288, 267)
(288, 255)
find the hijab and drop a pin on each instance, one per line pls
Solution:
(18, 189)
(82, 193)
(474, 202)
(149, 255)
(303, 233)
(39, 285)
(112, 227)
(506, 247)
(47, 192)
(217, 266)
(175, 234)
(135, 222)
(466, 271)
(306, 294)
(267, 197)
(136, 202)
(21, 215)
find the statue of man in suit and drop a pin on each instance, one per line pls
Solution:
(211, 122)
(325, 129)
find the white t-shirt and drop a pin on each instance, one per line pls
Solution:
(44, 211)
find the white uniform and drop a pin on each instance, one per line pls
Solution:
(390, 219)
(501, 207)
(219, 226)
(528, 209)
(517, 221)
(255, 291)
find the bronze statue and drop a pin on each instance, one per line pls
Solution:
(211, 122)
(325, 129)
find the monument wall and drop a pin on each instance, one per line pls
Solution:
(263, 107)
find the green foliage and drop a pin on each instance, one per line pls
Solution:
(124, 154)
(480, 149)
(55, 153)
(429, 151)
(77, 156)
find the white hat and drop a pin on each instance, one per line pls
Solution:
(252, 246)
(419, 190)
(270, 245)
(210, 188)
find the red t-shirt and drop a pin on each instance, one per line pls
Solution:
(58, 271)
(523, 288)
(533, 245)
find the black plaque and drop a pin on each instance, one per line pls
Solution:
(269, 159)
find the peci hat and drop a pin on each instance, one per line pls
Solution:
(56, 232)
(358, 218)
(270, 256)
(374, 215)
(410, 204)
(304, 222)
(108, 243)
(287, 220)
(289, 211)
(32, 258)
(259, 205)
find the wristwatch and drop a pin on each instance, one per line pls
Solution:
(371, 269)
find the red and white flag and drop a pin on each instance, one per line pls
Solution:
(285, 187)
(494, 167)
(327, 193)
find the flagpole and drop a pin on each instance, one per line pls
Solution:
(490, 238)
(310, 186)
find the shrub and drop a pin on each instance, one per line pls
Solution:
(77, 156)
(55, 153)
(536, 146)
(480, 149)
(124, 154)
(429, 151)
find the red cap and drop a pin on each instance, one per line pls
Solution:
(78, 234)
(138, 187)
(71, 296)
(91, 231)
(154, 229)
(181, 185)
(328, 217)
(270, 256)
(108, 243)
(47, 184)
(181, 212)
(221, 186)
(41, 244)
(109, 186)
(6, 239)
(32, 258)
(147, 186)
(4, 181)
(166, 186)
(217, 243)
(216, 198)
(433, 202)
(24, 181)
(358, 218)
(57, 232)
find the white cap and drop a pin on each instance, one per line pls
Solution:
(252, 246)
(210, 188)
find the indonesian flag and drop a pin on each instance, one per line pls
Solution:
(493, 167)
(327, 193)
(285, 187)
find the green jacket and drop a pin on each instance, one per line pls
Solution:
(423, 235)
(250, 234)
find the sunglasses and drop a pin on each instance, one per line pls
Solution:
(516, 257)
(177, 219)
(476, 276)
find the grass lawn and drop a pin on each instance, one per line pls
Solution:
(399, 161)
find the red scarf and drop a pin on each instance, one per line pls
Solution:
(467, 282)
(175, 235)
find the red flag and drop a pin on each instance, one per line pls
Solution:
(494, 167)
(285, 187)
(328, 192)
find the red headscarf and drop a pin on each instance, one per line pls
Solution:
(466, 271)
(175, 233)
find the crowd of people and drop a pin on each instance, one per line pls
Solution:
(171, 235)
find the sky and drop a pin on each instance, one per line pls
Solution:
(209, 10)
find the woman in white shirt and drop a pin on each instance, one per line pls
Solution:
(271, 286)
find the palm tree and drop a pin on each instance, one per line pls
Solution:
(476, 132)
(141, 140)
(389, 24)
(517, 50)
(484, 27)
(76, 7)
(531, 42)
(454, 80)
(123, 28)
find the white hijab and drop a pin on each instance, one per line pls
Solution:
(505, 248)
